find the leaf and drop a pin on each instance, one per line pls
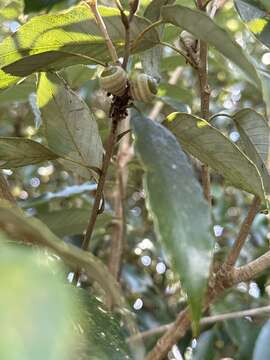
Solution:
(17, 152)
(205, 346)
(175, 104)
(67, 192)
(11, 10)
(255, 140)
(105, 338)
(31, 304)
(20, 228)
(256, 19)
(153, 10)
(262, 349)
(174, 198)
(151, 59)
(55, 41)
(17, 227)
(37, 5)
(18, 92)
(200, 25)
(70, 127)
(71, 221)
(6, 80)
(213, 148)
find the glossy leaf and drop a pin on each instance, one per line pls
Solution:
(104, 336)
(262, 349)
(55, 41)
(209, 145)
(255, 140)
(17, 152)
(71, 221)
(174, 196)
(204, 28)
(256, 19)
(70, 127)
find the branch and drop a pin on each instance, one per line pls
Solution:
(180, 52)
(243, 233)
(252, 269)
(261, 311)
(99, 194)
(93, 6)
(124, 155)
(205, 100)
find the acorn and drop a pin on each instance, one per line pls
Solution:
(188, 40)
(114, 80)
(143, 88)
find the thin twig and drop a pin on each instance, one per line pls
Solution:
(180, 52)
(243, 233)
(205, 100)
(119, 230)
(93, 6)
(261, 311)
(99, 193)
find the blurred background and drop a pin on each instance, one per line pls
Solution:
(63, 200)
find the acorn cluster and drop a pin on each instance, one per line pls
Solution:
(141, 87)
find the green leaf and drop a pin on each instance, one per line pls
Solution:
(28, 299)
(213, 148)
(33, 231)
(11, 10)
(6, 80)
(153, 10)
(70, 127)
(55, 41)
(204, 28)
(262, 349)
(16, 152)
(151, 59)
(175, 104)
(256, 19)
(175, 198)
(20, 228)
(67, 192)
(71, 221)
(104, 336)
(254, 140)
(205, 346)
(18, 92)
(37, 5)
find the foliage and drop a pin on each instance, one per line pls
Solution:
(111, 199)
